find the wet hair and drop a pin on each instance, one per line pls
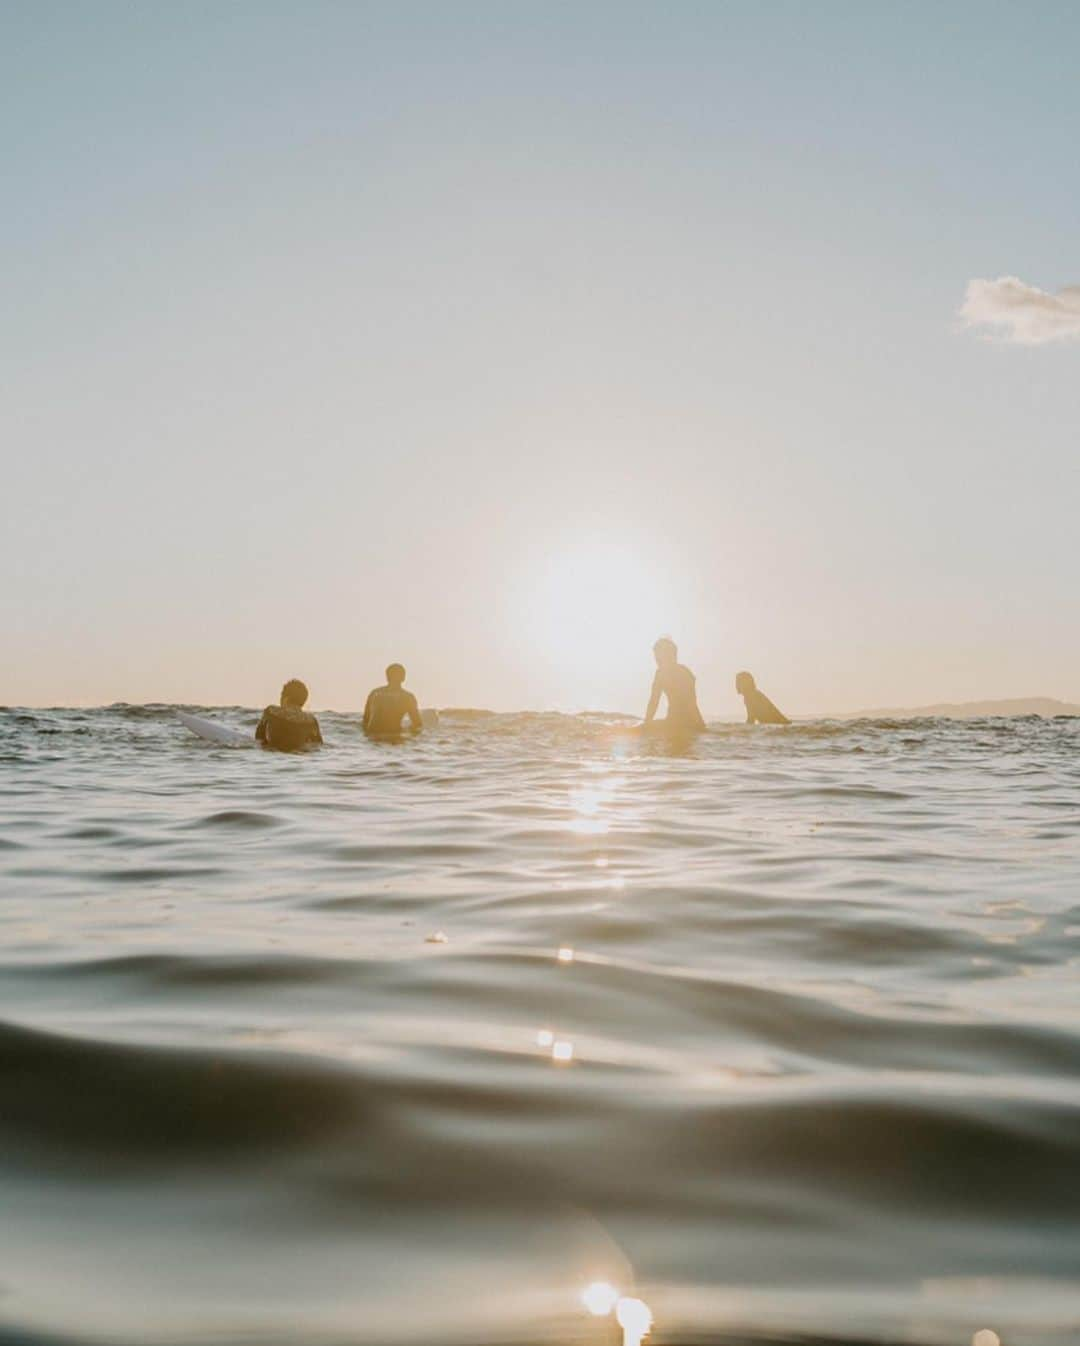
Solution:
(744, 682)
(665, 645)
(294, 693)
(395, 673)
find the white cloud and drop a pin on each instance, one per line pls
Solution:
(1024, 315)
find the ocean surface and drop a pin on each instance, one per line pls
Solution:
(777, 1030)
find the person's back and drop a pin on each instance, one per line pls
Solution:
(759, 709)
(678, 684)
(387, 707)
(288, 726)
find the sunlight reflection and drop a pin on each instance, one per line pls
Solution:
(635, 1319)
(565, 954)
(633, 1315)
(590, 827)
(562, 1051)
(986, 1337)
(599, 1298)
(587, 802)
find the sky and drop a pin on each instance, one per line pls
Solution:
(501, 338)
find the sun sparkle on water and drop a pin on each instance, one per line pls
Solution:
(635, 1318)
(599, 1298)
(633, 1315)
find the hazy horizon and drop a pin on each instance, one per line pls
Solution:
(501, 340)
(988, 706)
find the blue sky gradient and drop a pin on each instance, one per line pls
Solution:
(331, 332)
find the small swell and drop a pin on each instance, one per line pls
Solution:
(242, 819)
(79, 1100)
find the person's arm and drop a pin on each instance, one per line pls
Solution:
(367, 709)
(316, 732)
(699, 718)
(654, 700)
(778, 715)
(260, 729)
(412, 710)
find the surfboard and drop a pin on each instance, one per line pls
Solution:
(215, 732)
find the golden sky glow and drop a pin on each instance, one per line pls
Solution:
(462, 344)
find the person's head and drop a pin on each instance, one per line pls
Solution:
(744, 682)
(395, 675)
(665, 652)
(294, 693)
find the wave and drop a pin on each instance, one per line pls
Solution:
(402, 1043)
(435, 1138)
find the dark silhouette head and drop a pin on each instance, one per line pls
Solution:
(294, 693)
(744, 682)
(395, 675)
(665, 651)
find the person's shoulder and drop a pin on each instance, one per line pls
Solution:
(293, 714)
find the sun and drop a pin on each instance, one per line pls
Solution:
(593, 610)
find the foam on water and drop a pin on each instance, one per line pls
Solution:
(776, 1032)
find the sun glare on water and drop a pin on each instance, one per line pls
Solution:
(633, 1315)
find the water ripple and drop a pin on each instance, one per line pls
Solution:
(408, 1042)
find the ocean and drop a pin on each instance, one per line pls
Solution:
(777, 1031)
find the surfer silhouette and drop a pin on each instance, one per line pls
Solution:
(677, 683)
(759, 709)
(387, 706)
(289, 726)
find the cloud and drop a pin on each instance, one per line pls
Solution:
(1025, 315)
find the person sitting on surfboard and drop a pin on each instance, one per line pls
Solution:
(387, 706)
(759, 709)
(677, 683)
(289, 726)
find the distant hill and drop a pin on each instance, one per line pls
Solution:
(1046, 706)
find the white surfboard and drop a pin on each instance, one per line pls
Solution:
(215, 732)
